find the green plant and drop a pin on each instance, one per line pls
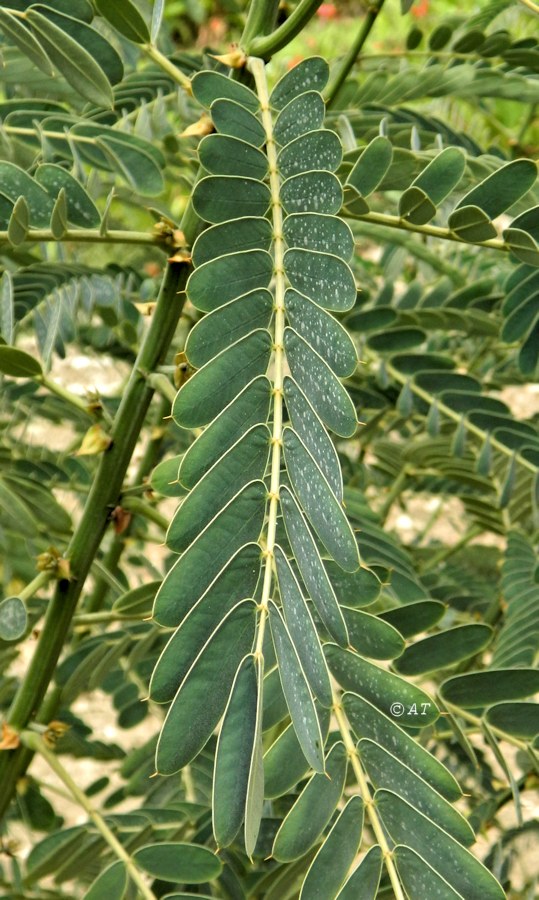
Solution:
(325, 684)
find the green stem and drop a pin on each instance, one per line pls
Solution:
(338, 76)
(66, 395)
(456, 417)
(394, 491)
(529, 4)
(381, 234)
(92, 236)
(430, 230)
(167, 66)
(163, 385)
(370, 806)
(265, 46)
(36, 743)
(102, 499)
(446, 552)
(260, 21)
(34, 586)
(141, 508)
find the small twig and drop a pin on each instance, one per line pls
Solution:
(36, 743)
(341, 71)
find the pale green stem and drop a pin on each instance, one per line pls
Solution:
(66, 395)
(34, 586)
(368, 800)
(160, 383)
(476, 721)
(92, 236)
(452, 414)
(338, 76)
(429, 230)
(529, 4)
(257, 69)
(167, 66)
(269, 44)
(36, 743)
(139, 508)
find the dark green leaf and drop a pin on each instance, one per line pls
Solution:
(496, 685)
(322, 332)
(444, 649)
(229, 277)
(371, 636)
(210, 389)
(331, 864)
(419, 878)
(81, 210)
(316, 192)
(111, 883)
(239, 523)
(320, 149)
(221, 154)
(249, 408)
(249, 233)
(326, 394)
(312, 432)
(309, 75)
(320, 504)
(302, 114)
(174, 861)
(234, 119)
(313, 809)
(312, 231)
(297, 693)
(17, 363)
(365, 878)
(125, 18)
(311, 568)
(404, 702)
(195, 711)
(302, 630)
(209, 86)
(13, 619)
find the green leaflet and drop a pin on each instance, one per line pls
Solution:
(443, 853)
(471, 224)
(317, 192)
(164, 478)
(13, 619)
(309, 75)
(285, 763)
(302, 114)
(371, 167)
(228, 277)
(493, 686)
(355, 589)
(22, 37)
(320, 149)
(275, 708)
(227, 324)
(371, 636)
(16, 183)
(368, 722)
(221, 154)
(210, 389)
(175, 861)
(234, 754)
(302, 630)
(68, 53)
(312, 432)
(325, 392)
(517, 718)
(331, 864)
(195, 711)
(137, 600)
(249, 233)
(234, 583)
(239, 523)
(419, 879)
(248, 408)
(365, 878)
(327, 234)
(389, 693)
(418, 204)
(125, 17)
(322, 332)
(414, 617)
(218, 198)
(254, 801)
(18, 363)
(235, 120)
(81, 210)
(386, 771)
(311, 568)
(313, 809)
(324, 278)
(209, 86)
(444, 649)
(296, 690)
(111, 883)
(502, 189)
(244, 462)
(322, 508)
